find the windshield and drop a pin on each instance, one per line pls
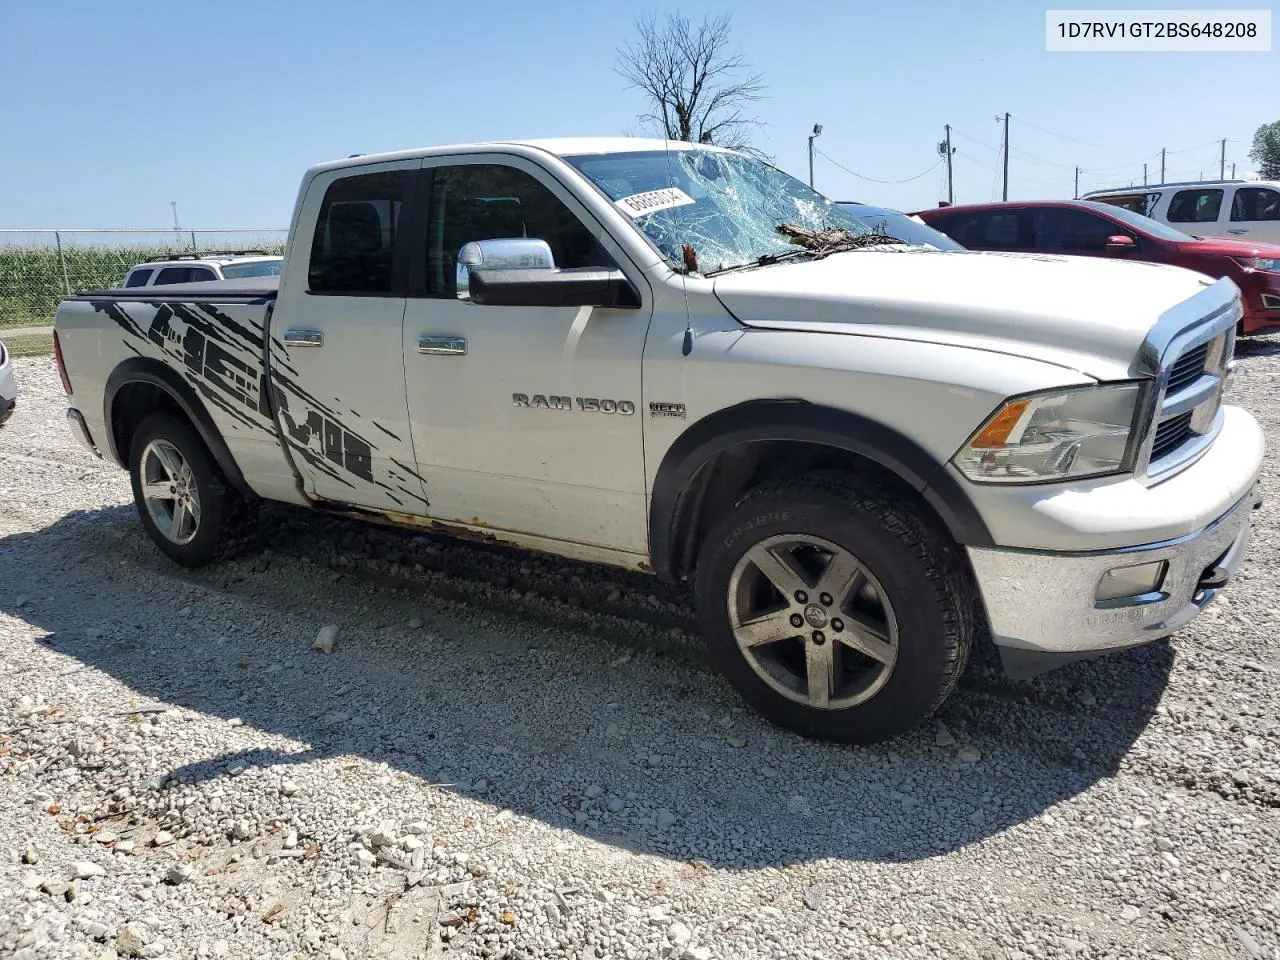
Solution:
(903, 227)
(258, 268)
(1139, 222)
(727, 207)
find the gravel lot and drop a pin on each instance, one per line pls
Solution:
(513, 756)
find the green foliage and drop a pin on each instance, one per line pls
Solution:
(32, 282)
(1265, 151)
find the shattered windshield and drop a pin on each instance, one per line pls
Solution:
(709, 210)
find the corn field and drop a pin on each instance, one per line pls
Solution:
(39, 268)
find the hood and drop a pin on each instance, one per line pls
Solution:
(1086, 314)
(1222, 246)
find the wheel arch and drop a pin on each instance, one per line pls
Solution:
(688, 472)
(141, 385)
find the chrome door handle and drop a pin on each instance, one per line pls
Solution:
(443, 346)
(294, 337)
(1237, 232)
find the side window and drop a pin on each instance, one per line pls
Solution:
(138, 278)
(203, 273)
(1195, 206)
(1255, 203)
(982, 230)
(353, 249)
(1072, 231)
(492, 202)
(173, 275)
(985, 230)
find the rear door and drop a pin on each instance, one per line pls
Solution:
(1255, 214)
(1199, 211)
(1002, 228)
(337, 364)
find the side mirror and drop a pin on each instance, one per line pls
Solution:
(1121, 244)
(513, 253)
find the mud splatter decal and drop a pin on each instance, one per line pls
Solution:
(218, 349)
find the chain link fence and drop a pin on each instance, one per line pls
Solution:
(40, 267)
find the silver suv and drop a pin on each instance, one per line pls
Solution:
(194, 267)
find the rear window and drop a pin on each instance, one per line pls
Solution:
(1133, 202)
(263, 268)
(1195, 206)
(138, 278)
(354, 243)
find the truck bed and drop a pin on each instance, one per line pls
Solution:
(210, 336)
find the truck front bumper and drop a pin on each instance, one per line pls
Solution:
(1043, 608)
(1047, 607)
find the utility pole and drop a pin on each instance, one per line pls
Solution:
(174, 205)
(1006, 156)
(1222, 163)
(1233, 171)
(1077, 183)
(817, 132)
(947, 150)
(1162, 164)
(1144, 174)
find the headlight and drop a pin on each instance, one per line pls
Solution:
(1059, 435)
(1269, 264)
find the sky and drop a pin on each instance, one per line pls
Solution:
(109, 111)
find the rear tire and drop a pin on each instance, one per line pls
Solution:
(837, 614)
(185, 503)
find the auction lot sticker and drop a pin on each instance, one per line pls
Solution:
(1173, 31)
(639, 204)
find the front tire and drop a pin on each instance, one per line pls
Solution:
(838, 615)
(185, 503)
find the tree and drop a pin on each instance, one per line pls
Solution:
(1265, 151)
(698, 90)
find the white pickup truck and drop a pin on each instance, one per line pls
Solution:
(678, 359)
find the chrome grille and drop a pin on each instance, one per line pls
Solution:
(1188, 368)
(1190, 383)
(1171, 434)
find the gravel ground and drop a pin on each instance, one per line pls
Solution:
(513, 756)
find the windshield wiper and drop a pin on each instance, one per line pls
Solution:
(764, 260)
(811, 243)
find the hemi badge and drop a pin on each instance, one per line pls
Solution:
(666, 410)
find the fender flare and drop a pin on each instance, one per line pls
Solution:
(798, 420)
(158, 374)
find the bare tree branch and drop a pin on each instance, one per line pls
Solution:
(698, 91)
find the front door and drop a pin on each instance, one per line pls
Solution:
(1078, 233)
(525, 419)
(337, 363)
(1255, 214)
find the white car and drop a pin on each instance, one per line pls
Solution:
(677, 359)
(1247, 209)
(198, 267)
(8, 386)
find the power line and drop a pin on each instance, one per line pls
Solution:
(975, 140)
(973, 159)
(1062, 136)
(873, 179)
(1032, 158)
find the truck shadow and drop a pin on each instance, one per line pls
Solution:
(533, 702)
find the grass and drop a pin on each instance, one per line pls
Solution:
(35, 346)
(32, 281)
